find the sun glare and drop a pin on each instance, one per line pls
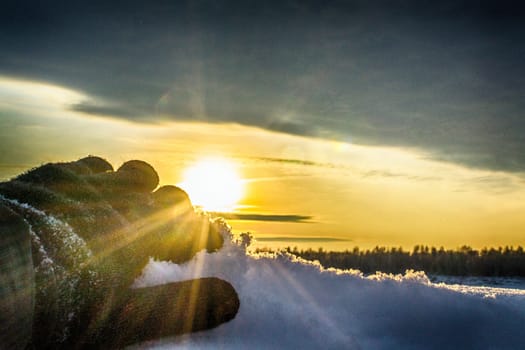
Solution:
(213, 184)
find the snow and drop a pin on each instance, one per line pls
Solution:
(60, 256)
(290, 303)
(478, 281)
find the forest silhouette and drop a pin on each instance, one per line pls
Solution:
(464, 261)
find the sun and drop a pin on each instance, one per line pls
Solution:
(213, 184)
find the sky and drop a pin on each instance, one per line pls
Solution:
(352, 122)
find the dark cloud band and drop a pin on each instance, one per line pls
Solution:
(265, 217)
(444, 77)
(301, 239)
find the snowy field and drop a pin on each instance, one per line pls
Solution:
(496, 282)
(289, 303)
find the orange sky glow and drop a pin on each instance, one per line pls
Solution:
(305, 192)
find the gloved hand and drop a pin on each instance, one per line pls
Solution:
(74, 236)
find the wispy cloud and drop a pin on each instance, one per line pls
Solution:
(264, 217)
(495, 183)
(374, 173)
(290, 161)
(300, 239)
(390, 174)
(110, 110)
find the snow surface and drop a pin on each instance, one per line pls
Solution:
(290, 303)
(487, 281)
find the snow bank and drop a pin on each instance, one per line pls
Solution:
(290, 303)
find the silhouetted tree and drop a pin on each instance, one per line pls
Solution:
(463, 261)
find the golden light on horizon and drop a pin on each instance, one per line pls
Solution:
(214, 184)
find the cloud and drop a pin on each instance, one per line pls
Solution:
(264, 217)
(443, 77)
(294, 239)
(106, 110)
(390, 174)
(291, 161)
(495, 184)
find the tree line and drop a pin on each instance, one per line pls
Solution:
(463, 261)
